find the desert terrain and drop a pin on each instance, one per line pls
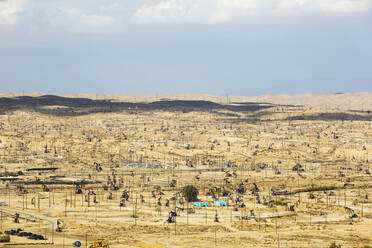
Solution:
(270, 172)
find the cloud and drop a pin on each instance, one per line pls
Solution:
(110, 16)
(85, 16)
(340, 6)
(222, 11)
(75, 20)
(10, 12)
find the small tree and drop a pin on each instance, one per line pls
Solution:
(190, 193)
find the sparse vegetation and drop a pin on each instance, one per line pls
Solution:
(132, 175)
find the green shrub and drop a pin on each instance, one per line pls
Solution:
(280, 202)
(334, 245)
(157, 208)
(191, 211)
(4, 238)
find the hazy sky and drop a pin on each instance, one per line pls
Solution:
(234, 47)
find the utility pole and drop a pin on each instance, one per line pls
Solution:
(187, 213)
(135, 212)
(175, 217)
(52, 233)
(66, 205)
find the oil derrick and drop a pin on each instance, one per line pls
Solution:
(171, 217)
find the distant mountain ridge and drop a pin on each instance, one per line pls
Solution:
(342, 101)
(74, 106)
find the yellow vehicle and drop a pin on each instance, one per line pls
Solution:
(99, 244)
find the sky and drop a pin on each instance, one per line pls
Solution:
(220, 47)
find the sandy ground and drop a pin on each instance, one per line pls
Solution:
(217, 152)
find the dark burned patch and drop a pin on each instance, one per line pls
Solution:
(83, 106)
(333, 117)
